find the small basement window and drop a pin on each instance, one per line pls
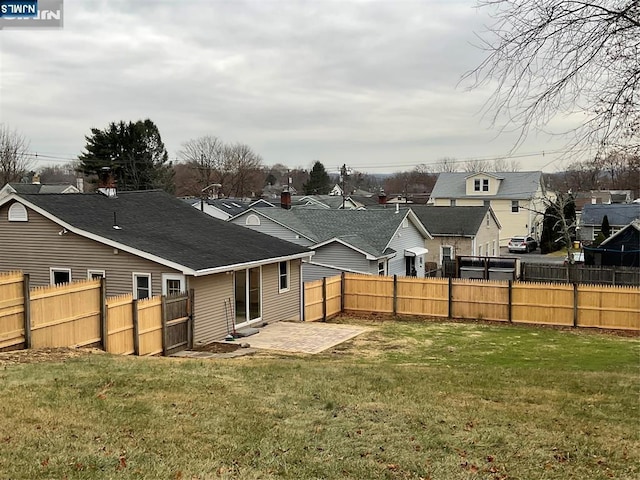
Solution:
(18, 213)
(59, 276)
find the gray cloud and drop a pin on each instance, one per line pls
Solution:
(369, 83)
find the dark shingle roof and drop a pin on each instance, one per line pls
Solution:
(29, 188)
(368, 230)
(458, 221)
(161, 225)
(618, 214)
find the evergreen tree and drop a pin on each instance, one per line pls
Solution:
(559, 224)
(319, 182)
(605, 228)
(134, 152)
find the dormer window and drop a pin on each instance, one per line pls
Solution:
(481, 185)
(18, 213)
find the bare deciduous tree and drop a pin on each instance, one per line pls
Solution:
(206, 156)
(549, 57)
(446, 165)
(243, 169)
(14, 159)
(475, 165)
(504, 165)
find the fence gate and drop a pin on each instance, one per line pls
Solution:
(177, 319)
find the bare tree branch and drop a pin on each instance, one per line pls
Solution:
(14, 159)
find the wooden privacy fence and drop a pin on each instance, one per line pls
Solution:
(601, 306)
(593, 274)
(79, 314)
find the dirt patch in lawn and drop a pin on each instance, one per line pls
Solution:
(39, 355)
(218, 347)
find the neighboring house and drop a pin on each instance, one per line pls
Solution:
(374, 242)
(225, 208)
(150, 243)
(619, 216)
(324, 201)
(32, 188)
(468, 231)
(517, 198)
(621, 248)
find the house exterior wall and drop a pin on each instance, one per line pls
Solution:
(276, 305)
(405, 237)
(494, 185)
(272, 228)
(210, 320)
(343, 257)
(311, 272)
(461, 246)
(488, 237)
(36, 245)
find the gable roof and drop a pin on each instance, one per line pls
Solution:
(513, 185)
(30, 188)
(618, 214)
(369, 231)
(623, 233)
(154, 225)
(453, 221)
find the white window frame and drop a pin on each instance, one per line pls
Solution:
(515, 204)
(477, 185)
(382, 271)
(173, 276)
(91, 272)
(53, 270)
(287, 276)
(450, 257)
(485, 184)
(134, 276)
(18, 213)
(479, 250)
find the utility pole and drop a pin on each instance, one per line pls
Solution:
(344, 172)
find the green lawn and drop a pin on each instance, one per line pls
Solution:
(408, 400)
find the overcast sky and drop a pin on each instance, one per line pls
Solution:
(373, 84)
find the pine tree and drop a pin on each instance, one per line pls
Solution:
(319, 182)
(605, 228)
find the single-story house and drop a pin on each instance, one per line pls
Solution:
(466, 231)
(384, 241)
(619, 216)
(150, 243)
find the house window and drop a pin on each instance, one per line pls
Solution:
(252, 220)
(446, 253)
(485, 185)
(141, 285)
(283, 277)
(453, 202)
(59, 275)
(18, 213)
(95, 274)
(515, 206)
(172, 284)
(476, 185)
(479, 250)
(487, 220)
(380, 268)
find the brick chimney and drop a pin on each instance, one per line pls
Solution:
(382, 198)
(106, 182)
(285, 199)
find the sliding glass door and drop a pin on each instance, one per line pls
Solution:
(248, 292)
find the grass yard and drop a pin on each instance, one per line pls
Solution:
(408, 400)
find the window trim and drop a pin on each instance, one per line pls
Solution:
(515, 204)
(450, 257)
(287, 276)
(382, 271)
(173, 276)
(252, 220)
(91, 271)
(485, 184)
(52, 271)
(476, 185)
(135, 275)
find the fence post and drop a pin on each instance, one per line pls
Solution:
(324, 299)
(136, 327)
(190, 306)
(510, 300)
(342, 287)
(104, 326)
(450, 302)
(575, 304)
(395, 295)
(27, 310)
(163, 309)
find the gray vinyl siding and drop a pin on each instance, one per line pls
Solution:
(274, 229)
(311, 272)
(404, 238)
(210, 320)
(35, 246)
(278, 306)
(338, 255)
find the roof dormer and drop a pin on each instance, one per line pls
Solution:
(482, 183)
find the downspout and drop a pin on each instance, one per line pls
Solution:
(301, 291)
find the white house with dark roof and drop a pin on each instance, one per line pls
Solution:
(150, 243)
(516, 198)
(384, 241)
